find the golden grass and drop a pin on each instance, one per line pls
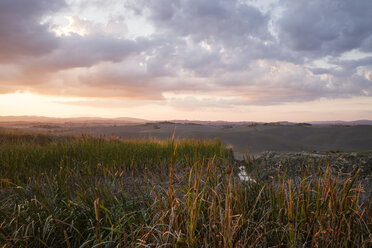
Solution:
(95, 192)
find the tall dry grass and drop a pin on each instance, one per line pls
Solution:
(93, 192)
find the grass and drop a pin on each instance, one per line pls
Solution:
(95, 192)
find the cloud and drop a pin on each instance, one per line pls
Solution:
(86, 51)
(20, 29)
(35, 54)
(325, 27)
(366, 45)
(190, 103)
(207, 19)
(107, 103)
(204, 48)
(227, 27)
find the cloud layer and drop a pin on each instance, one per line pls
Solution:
(222, 52)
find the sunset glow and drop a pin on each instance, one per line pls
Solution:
(198, 60)
(19, 104)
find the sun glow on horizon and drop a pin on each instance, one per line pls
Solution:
(232, 61)
(27, 103)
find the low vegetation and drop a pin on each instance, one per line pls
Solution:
(60, 191)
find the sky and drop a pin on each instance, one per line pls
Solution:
(233, 60)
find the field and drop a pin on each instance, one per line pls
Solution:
(60, 190)
(242, 138)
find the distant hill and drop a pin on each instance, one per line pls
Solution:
(130, 120)
(344, 123)
(276, 123)
(216, 123)
(43, 119)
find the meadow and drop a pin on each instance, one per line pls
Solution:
(84, 191)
